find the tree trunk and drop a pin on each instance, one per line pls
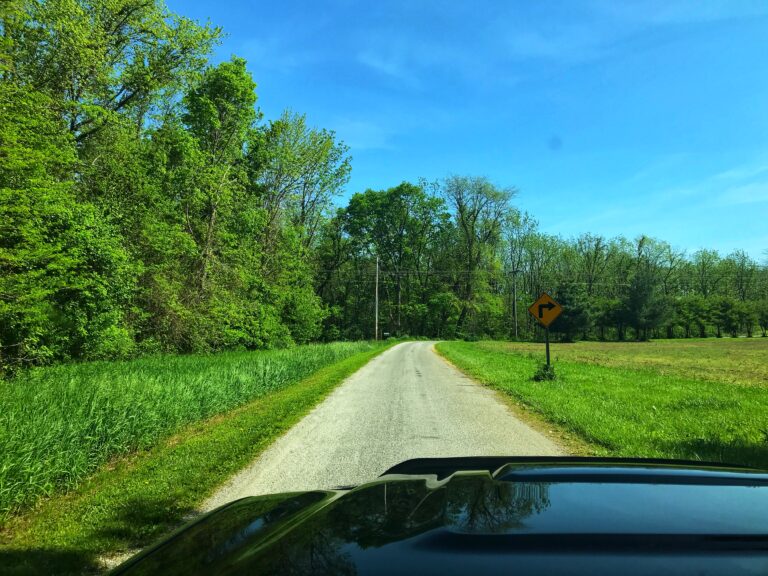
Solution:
(399, 303)
(208, 249)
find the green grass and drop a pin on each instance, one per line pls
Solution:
(732, 360)
(622, 409)
(60, 424)
(139, 498)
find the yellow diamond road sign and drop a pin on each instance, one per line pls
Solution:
(545, 309)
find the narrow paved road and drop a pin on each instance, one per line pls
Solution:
(406, 403)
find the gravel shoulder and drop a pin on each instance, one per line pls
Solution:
(406, 403)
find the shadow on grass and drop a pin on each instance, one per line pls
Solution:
(712, 450)
(135, 525)
(140, 521)
(46, 561)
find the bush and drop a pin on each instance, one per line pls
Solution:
(545, 372)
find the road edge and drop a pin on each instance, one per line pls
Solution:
(570, 443)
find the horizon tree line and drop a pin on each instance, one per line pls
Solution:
(458, 260)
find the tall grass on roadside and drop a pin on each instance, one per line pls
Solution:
(59, 424)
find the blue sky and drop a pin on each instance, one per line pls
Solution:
(612, 117)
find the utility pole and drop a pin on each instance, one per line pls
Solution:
(514, 298)
(376, 313)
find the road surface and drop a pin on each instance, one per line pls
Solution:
(406, 403)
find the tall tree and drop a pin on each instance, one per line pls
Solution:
(99, 59)
(397, 225)
(64, 277)
(643, 303)
(479, 209)
(594, 258)
(298, 171)
(707, 276)
(219, 114)
(741, 271)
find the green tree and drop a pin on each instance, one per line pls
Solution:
(575, 319)
(692, 312)
(724, 314)
(707, 277)
(479, 209)
(746, 313)
(219, 114)
(397, 225)
(298, 171)
(762, 316)
(644, 305)
(64, 278)
(607, 315)
(742, 273)
(102, 59)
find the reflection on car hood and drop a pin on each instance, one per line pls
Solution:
(532, 517)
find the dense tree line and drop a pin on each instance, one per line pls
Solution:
(458, 260)
(146, 206)
(144, 203)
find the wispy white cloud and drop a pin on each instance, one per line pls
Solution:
(389, 66)
(755, 193)
(742, 172)
(409, 58)
(395, 66)
(722, 200)
(668, 12)
(742, 184)
(480, 41)
(601, 25)
(660, 167)
(570, 44)
(363, 134)
(272, 53)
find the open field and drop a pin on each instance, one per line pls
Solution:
(638, 399)
(729, 360)
(57, 425)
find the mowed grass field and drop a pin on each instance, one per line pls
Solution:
(690, 399)
(730, 360)
(60, 424)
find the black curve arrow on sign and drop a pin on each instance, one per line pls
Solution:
(548, 306)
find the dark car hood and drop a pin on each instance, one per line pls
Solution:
(529, 516)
